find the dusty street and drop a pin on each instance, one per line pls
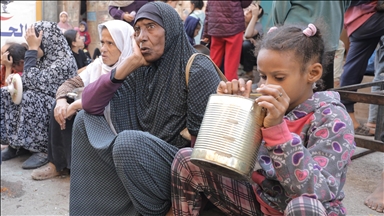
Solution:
(20, 195)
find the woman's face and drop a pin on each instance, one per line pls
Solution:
(63, 18)
(150, 37)
(110, 54)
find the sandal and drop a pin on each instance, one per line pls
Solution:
(46, 172)
(363, 131)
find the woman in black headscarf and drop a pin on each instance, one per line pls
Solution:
(123, 168)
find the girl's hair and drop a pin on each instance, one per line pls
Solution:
(17, 52)
(290, 38)
(262, 12)
(70, 36)
(96, 53)
(199, 4)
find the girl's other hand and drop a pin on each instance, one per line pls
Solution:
(235, 87)
(276, 101)
(33, 41)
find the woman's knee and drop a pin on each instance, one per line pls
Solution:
(305, 206)
(130, 143)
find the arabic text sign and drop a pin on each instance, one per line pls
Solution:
(14, 22)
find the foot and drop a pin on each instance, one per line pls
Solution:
(9, 153)
(46, 172)
(35, 161)
(375, 200)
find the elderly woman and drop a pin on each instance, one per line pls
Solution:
(129, 172)
(47, 64)
(115, 37)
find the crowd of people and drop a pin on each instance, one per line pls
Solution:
(116, 121)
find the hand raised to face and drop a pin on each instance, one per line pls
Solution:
(31, 38)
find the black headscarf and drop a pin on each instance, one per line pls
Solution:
(156, 96)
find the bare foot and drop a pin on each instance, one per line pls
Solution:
(375, 200)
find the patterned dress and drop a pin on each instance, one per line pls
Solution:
(303, 168)
(26, 125)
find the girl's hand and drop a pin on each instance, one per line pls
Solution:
(236, 87)
(60, 112)
(9, 78)
(276, 101)
(33, 41)
(256, 10)
(4, 60)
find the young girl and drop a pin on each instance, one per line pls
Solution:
(12, 60)
(192, 27)
(307, 139)
(76, 43)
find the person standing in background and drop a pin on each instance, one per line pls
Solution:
(364, 25)
(224, 28)
(125, 10)
(63, 24)
(329, 13)
(197, 12)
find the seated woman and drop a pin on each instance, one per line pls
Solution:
(76, 43)
(47, 64)
(115, 37)
(192, 27)
(129, 172)
(253, 32)
(12, 60)
(308, 139)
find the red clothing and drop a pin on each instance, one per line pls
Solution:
(87, 37)
(356, 16)
(2, 75)
(229, 47)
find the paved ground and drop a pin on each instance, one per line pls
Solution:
(20, 195)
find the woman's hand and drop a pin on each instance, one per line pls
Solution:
(139, 58)
(73, 108)
(60, 112)
(33, 41)
(276, 101)
(4, 60)
(128, 17)
(236, 87)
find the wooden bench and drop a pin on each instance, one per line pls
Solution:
(349, 93)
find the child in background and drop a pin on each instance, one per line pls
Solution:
(76, 43)
(63, 24)
(83, 30)
(308, 139)
(12, 60)
(192, 28)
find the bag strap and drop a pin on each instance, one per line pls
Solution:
(189, 64)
